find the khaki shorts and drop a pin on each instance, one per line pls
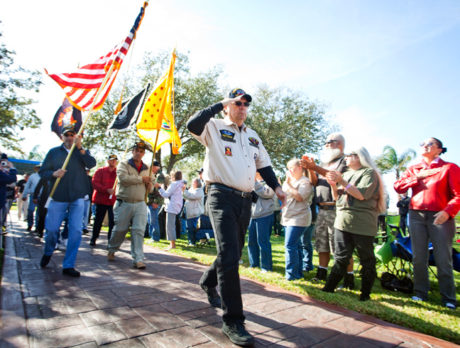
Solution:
(324, 231)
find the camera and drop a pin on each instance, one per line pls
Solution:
(4, 163)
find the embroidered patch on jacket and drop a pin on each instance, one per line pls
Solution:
(227, 135)
(253, 142)
(228, 151)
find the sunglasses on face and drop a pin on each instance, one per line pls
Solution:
(330, 142)
(428, 144)
(239, 103)
(69, 134)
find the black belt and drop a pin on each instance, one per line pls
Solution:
(326, 207)
(232, 190)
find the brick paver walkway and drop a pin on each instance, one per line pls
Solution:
(116, 305)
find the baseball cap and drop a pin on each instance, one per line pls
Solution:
(200, 171)
(140, 145)
(113, 157)
(68, 128)
(237, 92)
(156, 164)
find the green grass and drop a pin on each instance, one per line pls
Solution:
(427, 317)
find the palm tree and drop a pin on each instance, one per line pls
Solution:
(389, 160)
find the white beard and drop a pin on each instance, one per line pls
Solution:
(329, 155)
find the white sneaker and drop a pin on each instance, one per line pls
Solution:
(450, 305)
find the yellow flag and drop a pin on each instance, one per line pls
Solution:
(157, 114)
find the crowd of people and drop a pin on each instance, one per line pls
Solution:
(336, 200)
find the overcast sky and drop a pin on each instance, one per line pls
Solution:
(387, 70)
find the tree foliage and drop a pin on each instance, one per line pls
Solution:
(191, 93)
(16, 112)
(390, 161)
(288, 123)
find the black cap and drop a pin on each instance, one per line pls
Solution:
(237, 92)
(68, 128)
(4, 156)
(156, 164)
(140, 145)
(200, 171)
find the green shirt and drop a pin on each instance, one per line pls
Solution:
(354, 215)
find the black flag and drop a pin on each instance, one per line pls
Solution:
(125, 117)
(65, 115)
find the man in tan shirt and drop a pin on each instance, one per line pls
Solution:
(130, 207)
(234, 153)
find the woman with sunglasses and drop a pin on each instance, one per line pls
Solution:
(435, 201)
(360, 197)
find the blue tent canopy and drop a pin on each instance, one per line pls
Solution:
(24, 166)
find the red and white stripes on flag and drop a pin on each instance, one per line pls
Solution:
(82, 86)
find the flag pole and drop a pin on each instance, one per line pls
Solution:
(91, 110)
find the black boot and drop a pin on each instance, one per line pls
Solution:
(332, 281)
(321, 274)
(349, 281)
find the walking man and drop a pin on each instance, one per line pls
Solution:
(130, 208)
(234, 153)
(28, 194)
(104, 196)
(68, 199)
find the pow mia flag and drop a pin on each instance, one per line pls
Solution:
(125, 117)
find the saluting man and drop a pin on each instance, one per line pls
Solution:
(233, 155)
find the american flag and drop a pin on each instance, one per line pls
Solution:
(82, 86)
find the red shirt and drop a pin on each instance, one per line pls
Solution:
(103, 179)
(440, 191)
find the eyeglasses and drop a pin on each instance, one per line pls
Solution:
(330, 142)
(429, 144)
(351, 155)
(239, 103)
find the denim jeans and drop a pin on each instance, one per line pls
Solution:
(57, 211)
(191, 229)
(259, 246)
(293, 252)
(229, 215)
(30, 213)
(307, 248)
(154, 226)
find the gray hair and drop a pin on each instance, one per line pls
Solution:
(337, 136)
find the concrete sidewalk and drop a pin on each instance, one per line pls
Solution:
(115, 305)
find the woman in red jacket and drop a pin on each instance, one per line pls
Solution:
(435, 201)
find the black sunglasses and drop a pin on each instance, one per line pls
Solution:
(331, 142)
(239, 103)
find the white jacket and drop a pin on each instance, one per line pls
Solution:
(194, 202)
(31, 184)
(173, 195)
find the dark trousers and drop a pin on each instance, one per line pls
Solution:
(403, 223)
(422, 231)
(345, 243)
(101, 209)
(41, 217)
(229, 215)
